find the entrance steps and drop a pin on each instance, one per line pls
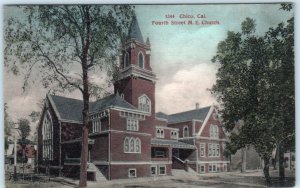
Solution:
(99, 175)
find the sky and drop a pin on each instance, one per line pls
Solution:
(180, 54)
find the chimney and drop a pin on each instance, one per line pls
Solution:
(197, 106)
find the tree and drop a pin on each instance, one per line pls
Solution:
(248, 87)
(68, 44)
(281, 48)
(24, 130)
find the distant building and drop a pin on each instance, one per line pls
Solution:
(127, 139)
(29, 151)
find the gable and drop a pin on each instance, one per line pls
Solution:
(211, 120)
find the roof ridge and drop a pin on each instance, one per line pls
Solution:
(190, 110)
(51, 95)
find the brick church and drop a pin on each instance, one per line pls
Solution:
(127, 138)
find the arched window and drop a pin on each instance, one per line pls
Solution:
(47, 133)
(160, 133)
(144, 103)
(214, 131)
(137, 145)
(141, 60)
(174, 134)
(132, 145)
(126, 60)
(126, 145)
(186, 131)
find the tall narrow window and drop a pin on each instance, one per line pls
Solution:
(141, 60)
(131, 145)
(137, 145)
(202, 149)
(185, 131)
(214, 131)
(47, 133)
(126, 60)
(144, 103)
(126, 145)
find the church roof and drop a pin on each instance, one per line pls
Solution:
(71, 109)
(198, 114)
(134, 31)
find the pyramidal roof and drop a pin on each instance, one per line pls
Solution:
(134, 31)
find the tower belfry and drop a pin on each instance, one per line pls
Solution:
(136, 77)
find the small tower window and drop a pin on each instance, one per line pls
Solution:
(144, 104)
(126, 60)
(141, 60)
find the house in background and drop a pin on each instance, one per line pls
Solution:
(127, 138)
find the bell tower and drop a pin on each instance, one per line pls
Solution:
(136, 81)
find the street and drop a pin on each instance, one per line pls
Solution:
(217, 180)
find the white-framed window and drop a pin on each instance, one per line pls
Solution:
(47, 134)
(162, 170)
(153, 170)
(213, 150)
(132, 145)
(212, 168)
(202, 150)
(214, 131)
(144, 103)
(126, 59)
(141, 60)
(132, 173)
(174, 134)
(160, 133)
(185, 131)
(132, 124)
(96, 125)
(202, 168)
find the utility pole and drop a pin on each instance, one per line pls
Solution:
(15, 153)
(15, 158)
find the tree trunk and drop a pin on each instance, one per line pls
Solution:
(84, 149)
(281, 163)
(243, 167)
(85, 116)
(266, 170)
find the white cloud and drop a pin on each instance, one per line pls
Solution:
(186, 88)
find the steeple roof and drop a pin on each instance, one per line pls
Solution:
(134, 31)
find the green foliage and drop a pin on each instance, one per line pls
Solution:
(248, 26)
(24, 127)
(255, 84)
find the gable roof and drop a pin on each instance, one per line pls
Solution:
(198, 114)
(71, 109)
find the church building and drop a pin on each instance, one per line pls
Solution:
(127, 138)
